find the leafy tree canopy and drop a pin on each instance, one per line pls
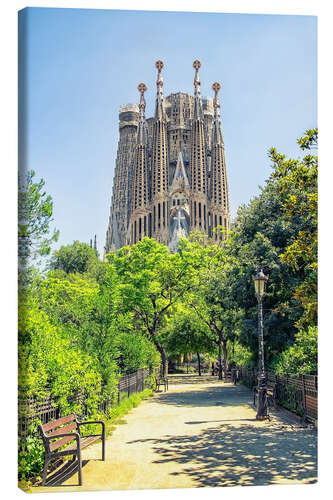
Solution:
(75, 258)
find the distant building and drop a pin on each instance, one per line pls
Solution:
(170, 177)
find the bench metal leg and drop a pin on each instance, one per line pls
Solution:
(103, 448)
(46, 462)
(79, 467)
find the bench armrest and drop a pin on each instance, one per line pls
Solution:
(93, 422)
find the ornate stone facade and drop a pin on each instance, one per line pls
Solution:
(170, 176)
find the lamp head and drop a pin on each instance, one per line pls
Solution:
(259, 280)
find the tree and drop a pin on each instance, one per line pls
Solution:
(186, 334)
(35, 210)
(209, 294)
(49, 363)
(215, 306)
(75, 258)
(301, 203)
(278, 230)
(151, 281)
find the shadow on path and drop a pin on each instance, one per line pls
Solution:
(230, 456)
(227, 395)
(65, 472)
(183, 378)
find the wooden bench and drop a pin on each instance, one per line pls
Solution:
(63, 431)
(161, 381)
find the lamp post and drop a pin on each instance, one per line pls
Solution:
(259, 285)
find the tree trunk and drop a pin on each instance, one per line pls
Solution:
(225, 358)
(199, 364)
(220, 359)
(165, 363)
(164, 359)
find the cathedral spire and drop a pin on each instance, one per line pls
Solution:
(159, 109)
(197, 112)
(217, 134)
(160, 180)
(139, 198)
(198, 159)
(218, 185)
(142, 127)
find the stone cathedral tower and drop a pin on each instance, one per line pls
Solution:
(170, 177)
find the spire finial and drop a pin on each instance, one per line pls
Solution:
(216, 87)
(159, 82)
(142, 87)
(196, 66)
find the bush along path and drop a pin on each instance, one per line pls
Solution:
(200, 433)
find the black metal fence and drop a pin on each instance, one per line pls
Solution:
(298, 394)
(30, 410)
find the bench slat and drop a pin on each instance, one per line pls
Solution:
(61, 442)
(57, 423)
(63, 430)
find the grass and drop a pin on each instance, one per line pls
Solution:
(125, 406)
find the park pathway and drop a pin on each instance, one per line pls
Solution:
(201, 432)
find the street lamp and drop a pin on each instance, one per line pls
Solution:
(259, 286)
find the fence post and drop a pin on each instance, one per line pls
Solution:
(304, 397)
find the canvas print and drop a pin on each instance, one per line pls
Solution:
(167, 250)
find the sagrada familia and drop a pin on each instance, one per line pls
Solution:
(170, 177)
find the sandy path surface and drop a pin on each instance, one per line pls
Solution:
(200, 433)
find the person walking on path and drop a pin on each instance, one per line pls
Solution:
(234, 375)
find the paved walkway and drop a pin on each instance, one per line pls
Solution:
(200, 433)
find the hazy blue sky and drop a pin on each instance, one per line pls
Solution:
(83, 64)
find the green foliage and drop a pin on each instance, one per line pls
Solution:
(35, 209)
(210, 297)
(186, 334)
(278, 230)
(30, 457)
(239, 354)
(300, 358)
(136, 351)
(75, 258)
(151, 281)
(49, 363)
(297, 185)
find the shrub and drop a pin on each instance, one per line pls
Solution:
(300, 358)
(30, 457)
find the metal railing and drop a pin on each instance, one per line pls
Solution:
(33, 409)
(298, 394)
